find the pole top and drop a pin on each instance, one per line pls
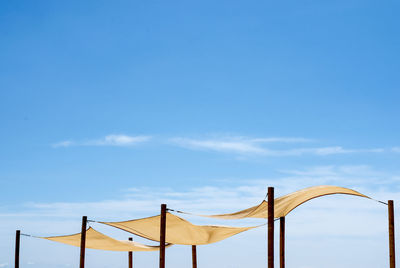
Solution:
(270, 190)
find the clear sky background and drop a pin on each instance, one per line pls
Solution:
(108, 108)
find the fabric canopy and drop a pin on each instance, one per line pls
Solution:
(97, 240)
(178, 230)
(285, 204)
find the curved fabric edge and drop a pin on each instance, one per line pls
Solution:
(285, 204)
(100, 241)
(178, 230)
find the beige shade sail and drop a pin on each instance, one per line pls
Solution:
(178, 231)
(285, 204)
(97, 240)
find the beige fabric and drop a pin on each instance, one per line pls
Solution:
(178, 230)
(285, 204)
(97, 240)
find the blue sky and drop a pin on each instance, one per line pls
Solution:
(101, 99)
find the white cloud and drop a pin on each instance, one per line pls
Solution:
(230, 144)
(63, 144)
(249, 146)
(282, 140)
(343, 170)
(396, 149)
(118, 140)
(238, 146)
(217, 199)
(325, 151)
(109, 140)
(3, 264)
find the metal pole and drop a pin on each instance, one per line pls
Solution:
(282, 242)
(17, 240)
(130, 255)
(271, 217)
(391, 235)
(194, 256)
(83, 242)
(163, 219)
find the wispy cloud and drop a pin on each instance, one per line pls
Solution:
(396, 149)
(232, 145)
(118, 140)
(281, 140)
(231, 194)
(238, 144)
(242, 145)
(361, 176)
(63, 144)
(109, 140)
(323, 151)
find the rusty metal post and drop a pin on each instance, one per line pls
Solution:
(282, 242)
(271, 217)
(17, 244)
(163, 219)
(130, 256)
(83, 242)
(194, 256)
(391, 235)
